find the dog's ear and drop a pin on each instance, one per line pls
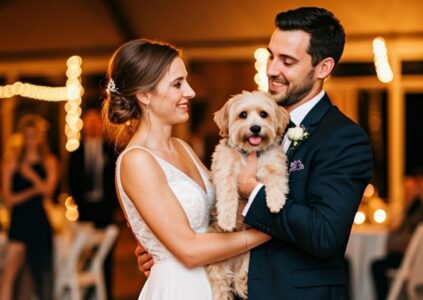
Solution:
(282, 117)
(221, 118)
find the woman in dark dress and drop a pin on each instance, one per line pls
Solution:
(28, 180)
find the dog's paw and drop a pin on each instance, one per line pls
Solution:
(226, 221)
(223, 295)
(275, 204)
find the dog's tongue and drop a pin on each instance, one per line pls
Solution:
(254, 140)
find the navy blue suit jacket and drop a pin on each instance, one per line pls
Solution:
(101, 213)
(328, 174)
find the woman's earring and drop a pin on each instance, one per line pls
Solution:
(148, 108)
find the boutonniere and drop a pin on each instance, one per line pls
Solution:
(297, 134)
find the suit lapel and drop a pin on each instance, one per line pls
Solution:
(311, 121)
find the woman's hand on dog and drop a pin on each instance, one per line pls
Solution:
(247, 180)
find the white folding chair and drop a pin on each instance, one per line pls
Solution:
(415, 278)
(68, 268)
(410, 271)
(78, 277)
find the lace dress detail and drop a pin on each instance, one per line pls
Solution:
(196, 204)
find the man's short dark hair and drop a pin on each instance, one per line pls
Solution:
(327, 36)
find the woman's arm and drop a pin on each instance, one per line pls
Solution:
(146, 185)
(11, 199)
(46, 185)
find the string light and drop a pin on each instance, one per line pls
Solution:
(383, 69)
(360, 218)
(380, 216)
(74, 91)
(261, 55)
(33, 91)
(71, 93)
(71, 213)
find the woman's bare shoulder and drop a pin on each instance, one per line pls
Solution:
(137, 160)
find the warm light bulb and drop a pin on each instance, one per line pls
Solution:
(73, 60)
(261, 54)
(72, 215)
(69, 202)
(383, 69)
(359, 218)
(72, 145)
(379, 216)
(73, 72)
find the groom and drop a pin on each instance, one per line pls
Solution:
(330, 164)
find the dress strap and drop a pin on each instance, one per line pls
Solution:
(199, 167)
(137, 147)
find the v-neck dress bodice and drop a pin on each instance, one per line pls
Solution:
(168, 277)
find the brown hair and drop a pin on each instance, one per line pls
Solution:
(135, 66)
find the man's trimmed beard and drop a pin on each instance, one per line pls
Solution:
(297, 93)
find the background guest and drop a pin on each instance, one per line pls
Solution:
(29, 178)
(91, 179)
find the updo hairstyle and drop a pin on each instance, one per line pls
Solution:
(136, 66)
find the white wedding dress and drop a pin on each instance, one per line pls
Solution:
(169, 279)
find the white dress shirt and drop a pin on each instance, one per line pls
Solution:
(296, 116)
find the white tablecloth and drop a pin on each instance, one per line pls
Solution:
(365, 245)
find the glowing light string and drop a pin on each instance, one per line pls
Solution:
(71, 93)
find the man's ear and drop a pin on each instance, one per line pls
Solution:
(324, 68)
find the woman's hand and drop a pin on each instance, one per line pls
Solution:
(144, 260)
(26, 170)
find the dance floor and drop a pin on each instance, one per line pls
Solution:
(127, 279)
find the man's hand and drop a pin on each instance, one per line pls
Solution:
(144, 260)
(247, 180)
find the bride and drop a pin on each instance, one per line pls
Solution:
(164, 190)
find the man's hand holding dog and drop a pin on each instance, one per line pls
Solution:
(144, 260)
(247, 180)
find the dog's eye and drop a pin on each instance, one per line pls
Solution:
(243, 115)
(263, 114)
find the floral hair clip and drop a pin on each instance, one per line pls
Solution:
(111, 87)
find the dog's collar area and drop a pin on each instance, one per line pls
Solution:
(246, 153)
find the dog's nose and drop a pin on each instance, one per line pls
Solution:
(255, 129)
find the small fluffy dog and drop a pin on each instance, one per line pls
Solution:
(250, 121)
